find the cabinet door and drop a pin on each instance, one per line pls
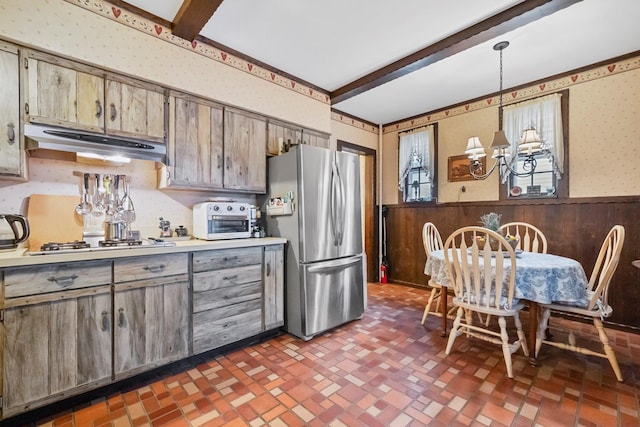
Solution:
(245, 138)
(273, 278)
(11, 156)
(315, 139)
(151, 324)
(135, 110)
(62, 95)
(54, 347)
(195, 144)
(281, 135)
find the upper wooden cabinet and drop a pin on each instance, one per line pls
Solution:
(317, 139)
(135, 109)
(281, 135)
(195, 145)
(245, 162)
(68, 94)
(12, 160)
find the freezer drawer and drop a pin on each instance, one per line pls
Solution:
(332, 294)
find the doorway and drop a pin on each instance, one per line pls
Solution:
(369, 203)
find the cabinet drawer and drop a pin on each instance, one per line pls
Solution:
(226, 258)
(215, 328)
(149, 267)
(210, 280)
(33, 280)
(216, 298)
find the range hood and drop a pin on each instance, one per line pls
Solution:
(39, 137)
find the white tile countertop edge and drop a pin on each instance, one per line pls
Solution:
(19, 257)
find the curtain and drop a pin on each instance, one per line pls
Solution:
(415, 145)
(545, 115)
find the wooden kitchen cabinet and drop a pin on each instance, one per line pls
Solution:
(151, 312)
(76, 96)
(56, 343)
(316, 139)
(12, 157)
(63, 93)
(227, 296)
(195, 144)
(134, 109)
(245, 136)
(290, 135)
(273, 277)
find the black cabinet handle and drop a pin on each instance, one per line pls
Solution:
(98, 109)
(63, 281)
(114, 112)
(154, 268)
(11, 134)
(105, 321)
(121, 318)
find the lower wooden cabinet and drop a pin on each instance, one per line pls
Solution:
(57, 346)
(273, 278)
(227, 296)
(151, 325)
(151, 314)
(72, 327)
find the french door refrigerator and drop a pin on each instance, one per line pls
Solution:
(325, 282)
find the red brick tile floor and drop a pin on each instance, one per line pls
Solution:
(383, 370)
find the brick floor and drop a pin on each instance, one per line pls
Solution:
(388, 370)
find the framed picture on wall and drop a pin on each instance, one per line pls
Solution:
(458, 168)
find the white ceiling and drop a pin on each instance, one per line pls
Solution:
(331, 43)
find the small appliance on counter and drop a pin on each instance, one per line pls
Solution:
(14, 229)
(222, 220)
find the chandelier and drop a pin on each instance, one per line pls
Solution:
(529, 146)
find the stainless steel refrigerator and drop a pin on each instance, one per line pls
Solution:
(325, 263)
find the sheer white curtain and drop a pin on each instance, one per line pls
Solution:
(415, 145)
(545, 115)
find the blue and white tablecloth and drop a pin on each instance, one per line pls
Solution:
(543, 278)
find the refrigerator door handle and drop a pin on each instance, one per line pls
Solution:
(341, 208)
(334, 204)
(334, 265)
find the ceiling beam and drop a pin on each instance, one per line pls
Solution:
(502, 23)
(192, 17)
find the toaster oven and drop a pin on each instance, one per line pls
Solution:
(221, 220)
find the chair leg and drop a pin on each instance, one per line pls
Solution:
(542, 326)
(608, 350)
(454, 330)
(522, 337)
(427, 307)
(506, 348)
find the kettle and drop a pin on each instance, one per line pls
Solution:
(10, 234)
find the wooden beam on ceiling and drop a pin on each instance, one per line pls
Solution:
(192, 17)
(521, 14)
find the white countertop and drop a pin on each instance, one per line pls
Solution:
(19, 257)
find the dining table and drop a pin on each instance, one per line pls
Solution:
(540, 279)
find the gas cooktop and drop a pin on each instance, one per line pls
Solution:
(54, 248)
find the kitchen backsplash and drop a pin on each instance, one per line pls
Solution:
(55, 177)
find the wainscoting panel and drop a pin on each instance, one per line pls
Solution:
(574, 228)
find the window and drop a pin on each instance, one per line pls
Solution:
(416, 168)
(545, 115)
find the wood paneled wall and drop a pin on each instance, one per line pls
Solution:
(574, 228)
